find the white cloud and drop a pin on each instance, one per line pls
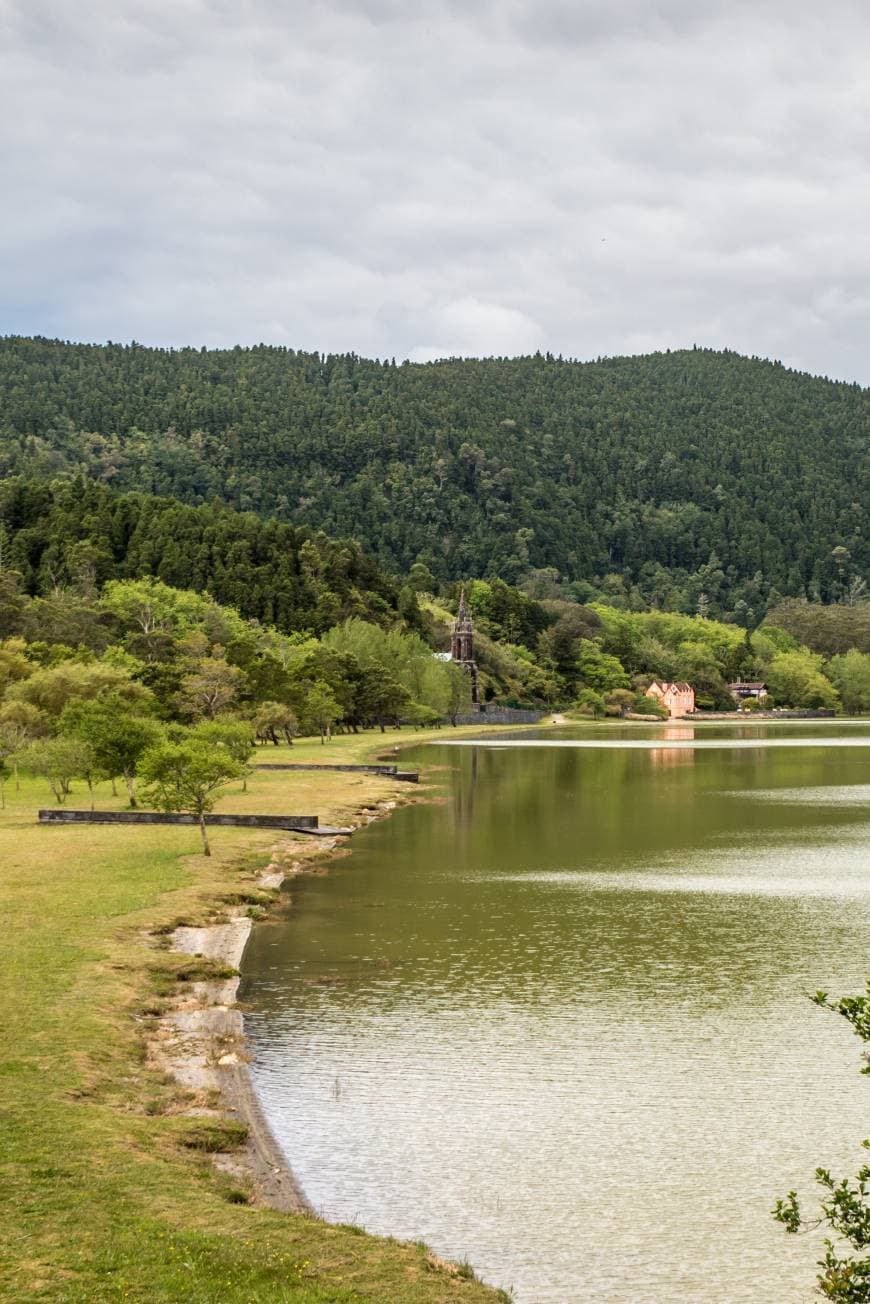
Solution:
(487, 177)
(469, 328)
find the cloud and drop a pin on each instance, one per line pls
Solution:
(469, 328)
(472, 178)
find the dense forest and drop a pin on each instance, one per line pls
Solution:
(77, 535)
(691, 481)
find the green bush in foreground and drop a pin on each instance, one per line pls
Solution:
(845, 1209)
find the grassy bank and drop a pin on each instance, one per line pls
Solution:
(107, 1191)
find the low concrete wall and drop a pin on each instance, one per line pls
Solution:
(164, 817)
(314, 765)
(388, 771)
(760, 715)
(501, 715)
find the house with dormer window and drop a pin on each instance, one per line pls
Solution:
(678, 697)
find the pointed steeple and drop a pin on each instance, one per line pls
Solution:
(462, 642)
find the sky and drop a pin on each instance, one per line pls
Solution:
(439, 178)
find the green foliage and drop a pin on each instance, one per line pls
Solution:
(237, 736)
(272, 721)
(188, 776)
(643, 705)
(850, 675)
(321, 710)
(590, 703)
(50, 689)
(829, 630)
(59, 761)
(155, 557)
(696, 481)
(845, 1208)
(599, 670)
(796, 679)
(115, 738)
(389, 671)
(210, 688)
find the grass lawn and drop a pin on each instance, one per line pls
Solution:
(103, 1200)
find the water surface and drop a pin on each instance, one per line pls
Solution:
(557, 1023)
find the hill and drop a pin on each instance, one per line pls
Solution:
(79, 535)
(696, 478)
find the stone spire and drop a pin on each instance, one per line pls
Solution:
(462, 643)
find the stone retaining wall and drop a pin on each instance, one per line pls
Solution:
(388, 771)
(501, 715)
(164, 817)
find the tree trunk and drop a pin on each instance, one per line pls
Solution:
(206, 849)
(114, 787)
(90, 784)
(130, 781)
(15, 772)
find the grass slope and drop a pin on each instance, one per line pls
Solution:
(101, 1197)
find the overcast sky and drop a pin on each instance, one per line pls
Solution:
(421, 179)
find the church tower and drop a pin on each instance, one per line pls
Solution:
(462, 644)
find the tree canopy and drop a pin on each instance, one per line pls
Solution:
(697, 480)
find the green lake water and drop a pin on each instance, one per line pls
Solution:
(556, 1021)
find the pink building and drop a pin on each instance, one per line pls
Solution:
(679, 698)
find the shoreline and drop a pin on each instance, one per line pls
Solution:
(201, 1039)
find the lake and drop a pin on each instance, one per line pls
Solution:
(556, 1021)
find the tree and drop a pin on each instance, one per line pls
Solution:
(590, 703)
(845, 1210)
(270, 719)
(9, 745)
(796, 679)
(643, 705)
(188, 776)
(827, 629)
(51, 688)
(211, 688)
(12, 602)
(379, 696)
(14, 664)
(321, 710)
(458, 692)
(421, 578)
(59, 760)
(117, 740)
(850, 674)
(21, 723)
(237, 736)
(618, 701)
(598, 669)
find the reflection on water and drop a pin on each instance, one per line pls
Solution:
(565, 1030)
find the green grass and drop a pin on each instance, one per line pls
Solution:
(107, 1192)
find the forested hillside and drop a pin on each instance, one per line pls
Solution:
(686, 480)
(76, 535)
